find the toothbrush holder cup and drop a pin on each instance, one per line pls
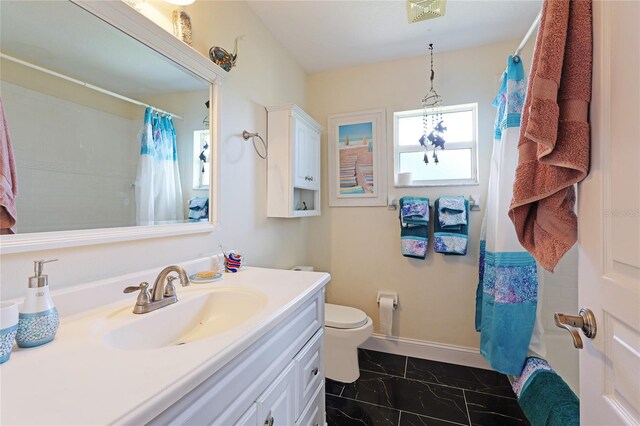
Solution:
(233, 262)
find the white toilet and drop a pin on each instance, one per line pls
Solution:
(345, 328)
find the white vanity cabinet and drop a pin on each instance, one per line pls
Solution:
(277, 381)
(293, 163)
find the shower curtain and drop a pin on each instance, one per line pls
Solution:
(158, 191)
(506, 297)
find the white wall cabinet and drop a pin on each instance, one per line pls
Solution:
(277, 381)
(293, 163)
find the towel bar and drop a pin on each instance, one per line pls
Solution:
(473, 204)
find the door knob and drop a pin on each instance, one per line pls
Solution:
(585, 321)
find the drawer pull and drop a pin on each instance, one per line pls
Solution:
(315, 371)
(269, 421)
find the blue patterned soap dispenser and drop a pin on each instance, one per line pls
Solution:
(38, 319)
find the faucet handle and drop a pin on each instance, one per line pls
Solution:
(169, 288)
(144, 297)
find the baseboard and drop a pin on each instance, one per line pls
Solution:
(452, 354)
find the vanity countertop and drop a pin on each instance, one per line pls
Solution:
(79, 379)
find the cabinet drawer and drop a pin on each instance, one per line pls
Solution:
(275, 405)
(313, 415)
(309, 370)
(250, 417)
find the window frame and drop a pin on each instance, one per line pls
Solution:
(201, 180)
(473, 145)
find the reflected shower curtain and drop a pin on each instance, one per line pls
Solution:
(506, 298)
(158, 191)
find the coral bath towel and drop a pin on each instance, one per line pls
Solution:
(8, 179)
(553, 150)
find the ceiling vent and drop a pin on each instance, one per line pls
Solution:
(421, 10)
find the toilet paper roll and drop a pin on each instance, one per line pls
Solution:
(386, 315)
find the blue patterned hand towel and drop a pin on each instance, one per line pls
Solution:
(414, 210)
(414, 226)
(414, 240)
(450, 240)
(452, 213)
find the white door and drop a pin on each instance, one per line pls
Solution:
(301, 154)
(609, 222)
(313, 152)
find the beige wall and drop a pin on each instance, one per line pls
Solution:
(360, 246)
(265, 75)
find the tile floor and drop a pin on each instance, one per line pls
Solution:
(397, 390)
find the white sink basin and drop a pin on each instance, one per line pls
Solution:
(185, 321)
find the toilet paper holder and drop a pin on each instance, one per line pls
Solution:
(391, 294)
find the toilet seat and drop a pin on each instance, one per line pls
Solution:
(343, 317)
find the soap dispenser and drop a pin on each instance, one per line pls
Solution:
(38, 319)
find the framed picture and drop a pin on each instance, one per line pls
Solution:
(357, 159)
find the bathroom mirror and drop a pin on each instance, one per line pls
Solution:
(75, 90)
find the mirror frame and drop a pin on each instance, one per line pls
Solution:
(126, 19)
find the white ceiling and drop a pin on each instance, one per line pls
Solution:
(329, 34)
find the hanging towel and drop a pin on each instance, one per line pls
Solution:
(554, 139)
(414, 210)
(451, 238)
(198, 208)
(414, 240)
(506, 297)
(452, 212)
(9, 187)
(544, 397)
(414, 226)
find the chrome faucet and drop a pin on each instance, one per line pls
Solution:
(161, 295)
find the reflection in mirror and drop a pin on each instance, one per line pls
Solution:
(101, 126)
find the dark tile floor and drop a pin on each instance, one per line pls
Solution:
(397, 390)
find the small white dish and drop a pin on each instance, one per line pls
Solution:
(196, 280)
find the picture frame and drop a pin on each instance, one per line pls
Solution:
(357, 159)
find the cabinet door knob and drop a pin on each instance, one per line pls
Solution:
(269, 421)
(315, 371)
(311, 178)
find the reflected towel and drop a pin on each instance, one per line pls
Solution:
(198, 208)
(9, 186)
(553, 150)
(544, 397)
(198, 203)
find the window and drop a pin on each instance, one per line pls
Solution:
(458, 162)
(201, 159)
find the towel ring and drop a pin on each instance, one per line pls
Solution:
(246, 135)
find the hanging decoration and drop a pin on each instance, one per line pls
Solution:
(432, 119)
(204, 141)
